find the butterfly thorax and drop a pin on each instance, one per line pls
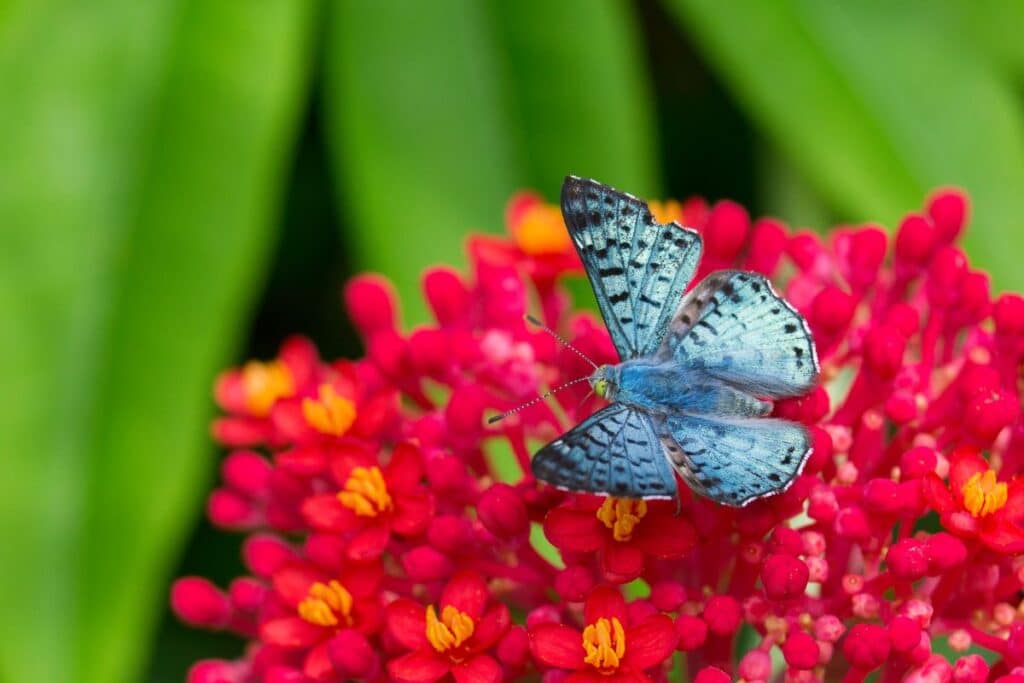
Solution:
(672, 387)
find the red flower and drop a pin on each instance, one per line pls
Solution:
(373, 502)
(610, 649)
(977, 505)
(451, 638)
(623, 531)
(321, 611)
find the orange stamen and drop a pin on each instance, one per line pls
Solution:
(330, 414)
(604, 644)
(541, 231)
(983, 495)
(366, 492)
(621, 515)
(451, 630)
(327, 604)
(666, 211)
(264, 383)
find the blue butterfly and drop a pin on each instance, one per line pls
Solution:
(689, 392)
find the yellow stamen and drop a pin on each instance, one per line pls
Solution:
(621, 515)
(330, 414)
(327, 604)
(604, 643)
(451, 630)
(366, 492)
(983, 495)
(541, 231)
(264, 383)
(666, 211)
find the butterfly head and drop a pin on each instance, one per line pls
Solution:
(605, 381)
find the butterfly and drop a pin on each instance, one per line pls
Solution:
(689, 393)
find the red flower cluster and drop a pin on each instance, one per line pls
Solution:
(395, 535)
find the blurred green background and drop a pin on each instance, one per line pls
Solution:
(184, 182)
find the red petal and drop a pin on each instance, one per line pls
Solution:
(577, 531)
(292, 632)
(404, 472)
(590, 676)
(557, 645)
(326, 513)
(937, 494)
(490, 628)
(292, 583)
(318, 664)
(964, 464)
(289, 422)
(413, 513)
(1002, 535)
(650, 643)
(467, 592)
(369, 543)
(300, 356)
(667, 536)
(422, 666)
(480, 669)
(1014, 508)
(362, 579)
(407, 623)
(622, 561)
(605, 601)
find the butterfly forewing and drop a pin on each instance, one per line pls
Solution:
(734, 327)
(637, 267)
(735, 461)
(614, 451)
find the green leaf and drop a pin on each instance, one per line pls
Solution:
(876, 104)
(419, 136)
(581, 93)
(439, 111)
(143, 144)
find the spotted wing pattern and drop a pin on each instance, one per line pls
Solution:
(638, 268)
(614, 451)
(734, 461)
(734, 327)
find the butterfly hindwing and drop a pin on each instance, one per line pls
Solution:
(735, 461)
(734, 327)
(614, 451)
(637, 267)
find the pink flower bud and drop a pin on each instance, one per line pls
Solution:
(908, 559)
(450, 533)
(832, 310)
(514, 648)
(447, 295)
(351, 654)
(722, 614)
(817, 568)
(1008, 313)
(247, 594)
(883, 351)
(829, 628)
(370, 302)
(264, 554)
(217, 671)
(866, 646)
(726, 232)
(767, 244)
(784, 577)
(502, 511)
(914, 240)
(711, 674)
(904, 633)
(935, 669)
(948, 209)
(918, 462)
(944, 552)
(573, 583)
(756, 665)
(852, 523)
(667, 596)
(970, 669)
(198, 602)
(693, 631)
(945, 275)
(424, 563)
(801, 650)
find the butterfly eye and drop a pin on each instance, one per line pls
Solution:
(601, 387)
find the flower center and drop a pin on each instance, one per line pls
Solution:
(327, 604)
(621, 515)
(983, 495)
(541, 231)
(666, 211)
(264, 383)
(365, 492)
(330, 414)
(451, 630)
(604, 643)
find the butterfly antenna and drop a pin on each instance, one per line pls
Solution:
(560, 338)
(537, 400)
